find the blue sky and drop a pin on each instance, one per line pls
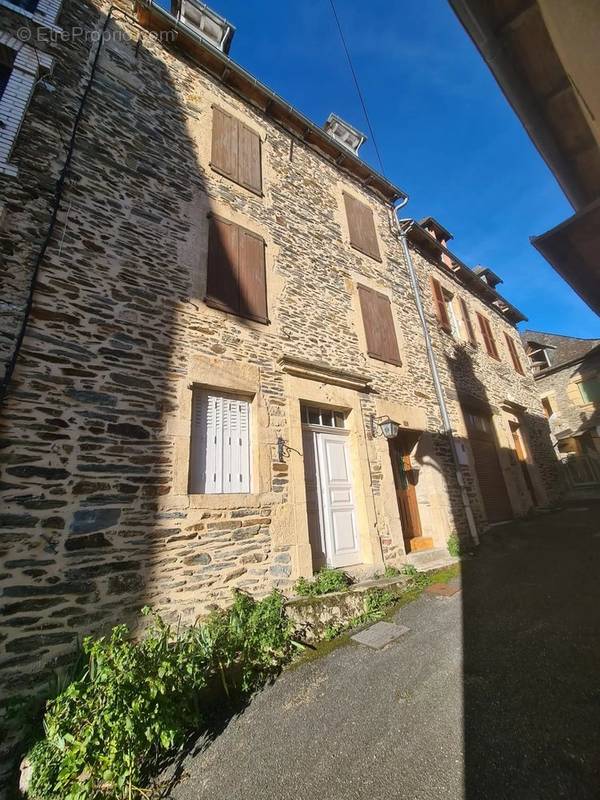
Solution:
(445, 132)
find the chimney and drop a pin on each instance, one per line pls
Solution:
(487, 276)
(344, 133)
(440, 234)
(201, 19)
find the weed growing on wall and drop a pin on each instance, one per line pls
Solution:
(325, 581)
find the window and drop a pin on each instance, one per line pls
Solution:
(488, 336)
(236, 279)
(476, 422)
(26, 5)
(323, 416)
(467, 323)
(547, 406)
(512, 349)
(538, 358)
(449, 302)
(361, 227)
(441, 309)
(220, 445)
(236, 151)
(379, 326)
(590, 390)
(7, 58)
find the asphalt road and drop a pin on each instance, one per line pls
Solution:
(494, 693)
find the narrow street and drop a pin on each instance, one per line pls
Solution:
(492, 694)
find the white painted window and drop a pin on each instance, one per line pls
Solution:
(220, 456)
(20, 73)
(454, 325)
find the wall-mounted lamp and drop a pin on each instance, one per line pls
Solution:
(384, 426)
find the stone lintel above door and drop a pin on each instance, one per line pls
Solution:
(324, 373)
(411, 417)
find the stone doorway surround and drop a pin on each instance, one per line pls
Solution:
(432, 495)
(321, 385)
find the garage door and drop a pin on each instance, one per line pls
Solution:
(487, 467)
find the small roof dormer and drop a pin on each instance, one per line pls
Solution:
(487, 276)
(437, 230)
(344, 133)
(204, 21)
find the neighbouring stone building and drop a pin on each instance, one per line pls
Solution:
(222, 324)
(566, 370)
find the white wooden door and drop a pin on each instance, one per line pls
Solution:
(338, 512)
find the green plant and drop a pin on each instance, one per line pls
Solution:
(376, 603)
(454, 545)
(136, 700)
(325, 581)
(391, 572)
(409, 570)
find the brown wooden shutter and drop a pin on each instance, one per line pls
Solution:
(224, 156)
(222, 270)
(378, 322)
(512, 349)
(467, 320)
(249, 159)
(236, 279)
(361, 227)
(488, 336)
(252, 279)
(441, 311)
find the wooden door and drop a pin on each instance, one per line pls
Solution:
(487, 466)
(404, 481)
(522, 459)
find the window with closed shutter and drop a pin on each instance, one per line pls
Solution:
(441, 311)
(220, 445)
(236, 276)
(488, 336)
(378, 322)
(512, 349)
(236, 151)
(361, 227)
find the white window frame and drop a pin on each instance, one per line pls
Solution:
(223, 482)
(451, 311)
(17, 95)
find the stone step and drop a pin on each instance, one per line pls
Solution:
(420, 543)
(430, 559)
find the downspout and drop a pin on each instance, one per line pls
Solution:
(403, 227)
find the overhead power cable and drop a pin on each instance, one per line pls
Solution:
(356, 83)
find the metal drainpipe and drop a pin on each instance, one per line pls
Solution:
(447, 426)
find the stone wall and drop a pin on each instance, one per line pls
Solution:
(572, 414)
(96, 517)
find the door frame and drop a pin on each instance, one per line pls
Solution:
(409, 513)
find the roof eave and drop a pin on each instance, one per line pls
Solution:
(268, 102)
(482, 289)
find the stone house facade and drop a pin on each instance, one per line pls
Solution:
(566, 370)
(221, 324)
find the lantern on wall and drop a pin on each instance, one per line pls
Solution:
(384, 426)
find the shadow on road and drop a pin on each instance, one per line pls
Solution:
(531, 618)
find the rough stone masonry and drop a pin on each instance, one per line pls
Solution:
(96, 516)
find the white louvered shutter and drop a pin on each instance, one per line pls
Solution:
(236, 445)
(220, 458)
